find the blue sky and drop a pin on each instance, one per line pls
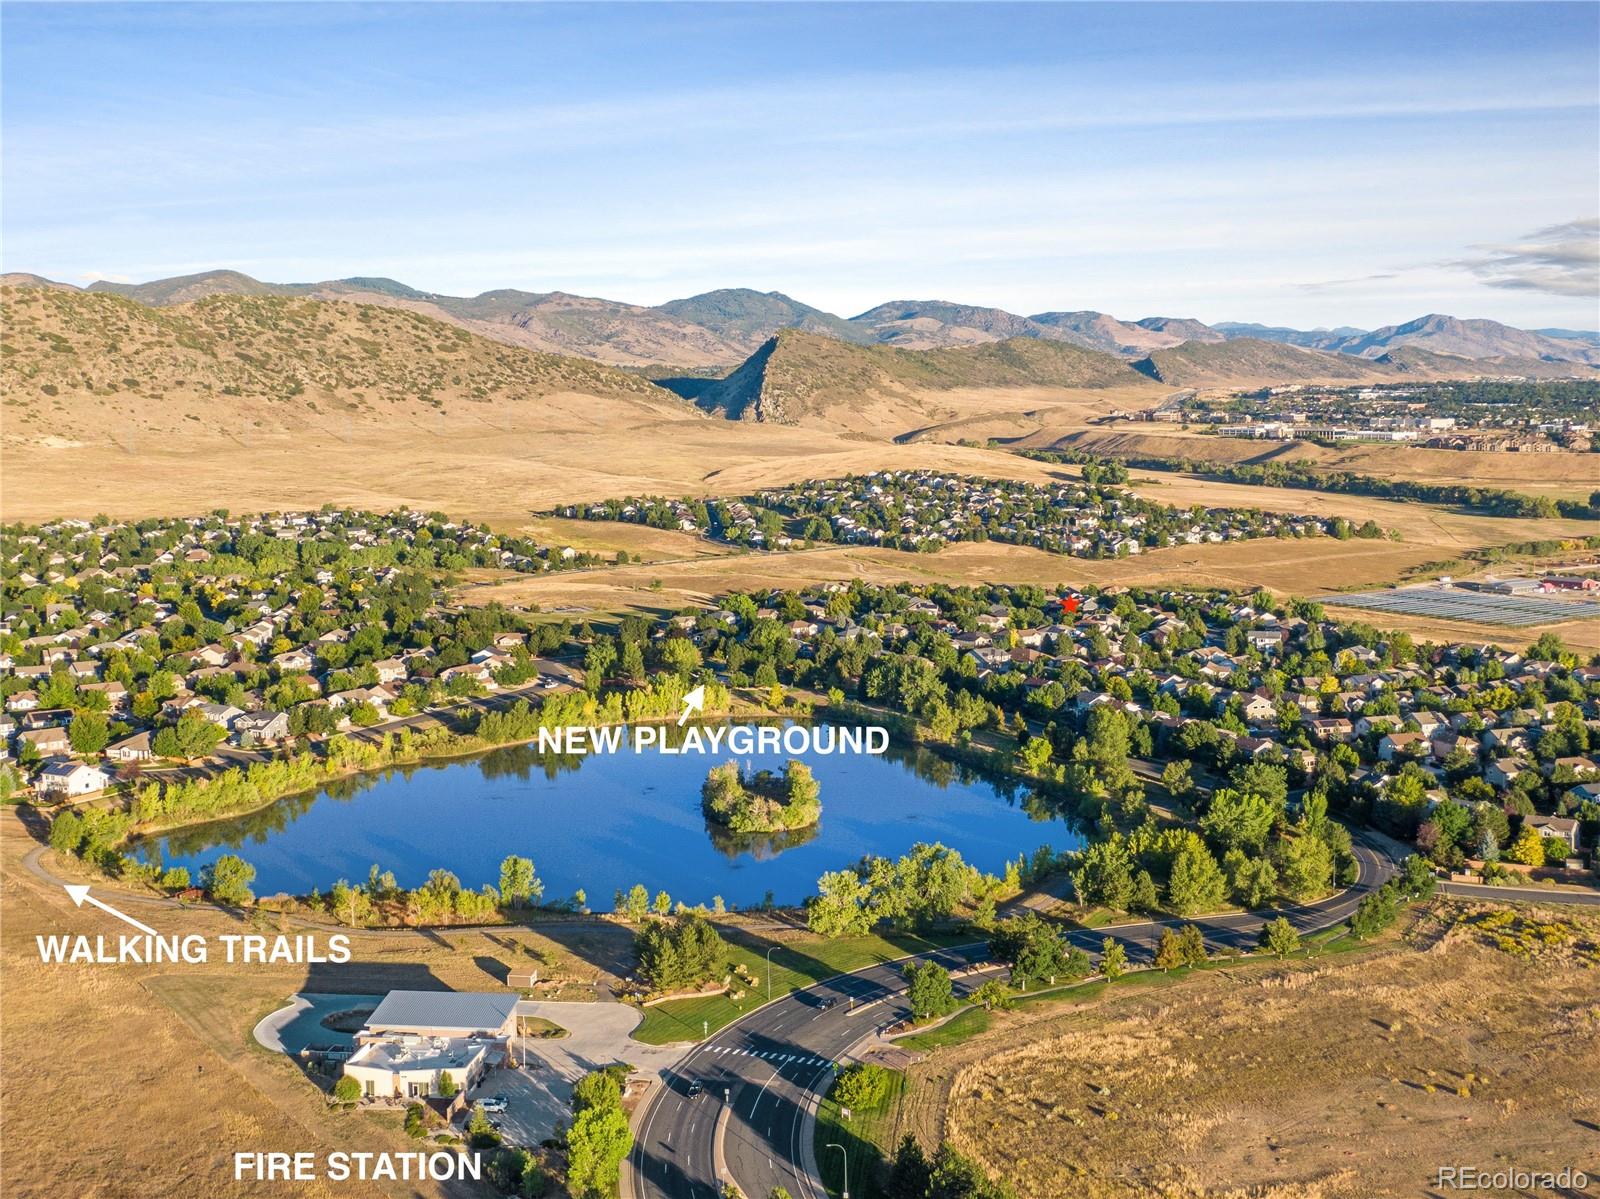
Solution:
(1301, 164)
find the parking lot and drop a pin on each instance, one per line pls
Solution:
(539, 1092)
(1454, 603)
(537, 1096)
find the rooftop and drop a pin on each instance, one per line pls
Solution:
(419, 1053)
(467, 1011)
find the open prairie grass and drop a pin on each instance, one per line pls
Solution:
(1348, 1075)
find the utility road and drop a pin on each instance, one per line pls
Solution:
(749, 1119)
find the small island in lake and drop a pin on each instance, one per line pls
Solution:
(763, 802)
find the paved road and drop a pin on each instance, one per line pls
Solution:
(769, 1068)
(1521, 894)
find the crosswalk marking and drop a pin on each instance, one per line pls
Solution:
(798, 1059)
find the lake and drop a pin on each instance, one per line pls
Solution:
(612, 820)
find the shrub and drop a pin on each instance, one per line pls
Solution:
(347, 1092)
(861, 1086)
(416, 1120)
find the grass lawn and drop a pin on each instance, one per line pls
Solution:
(975, 1020)
(864, 1138)
(952, 1032)
(795, 964)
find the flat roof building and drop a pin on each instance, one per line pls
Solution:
(414, 1038)
(413, 1067)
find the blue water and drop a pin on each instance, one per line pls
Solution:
(612, 820)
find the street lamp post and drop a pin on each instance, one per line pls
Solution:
(844, 1160)
(770, 948)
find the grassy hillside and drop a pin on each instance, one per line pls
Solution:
(79, 362)
(796, 376)
(747, 317)
(1245, 360)
(182, 289)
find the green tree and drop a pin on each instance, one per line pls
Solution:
(1036, 951)
(679, 954)
(1177, 777)
(1033, 755)
(839, 908)
(192, 737)
(1103, 874)
(597, 662)
(1113, 959)
(1192, 945)
(861, 1086)
(953, 1176)
(993, 994)
(1279, 937)
(67, 832)
(1238, 820)
(1527, 849)
(1252, 879)
(1144, 897)
(416, 1123)
(519, 886)
(347, 1091)
(637, 902)
(1196, 884)
(1305, 867)
(596, 1089)
(597, 1142)
(228, 880)
(89, 733)
(910, 1173)
(480, 1133)
(446, 1085)
(1169, 953)
(680, 655)
(929, 991)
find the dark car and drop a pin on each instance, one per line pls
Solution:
(826, 1004)
(696, 1089)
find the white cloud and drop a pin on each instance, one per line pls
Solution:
(1559, 260)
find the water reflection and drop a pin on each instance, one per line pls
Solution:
(608, 821)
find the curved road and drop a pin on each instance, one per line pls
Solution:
(763, 1075)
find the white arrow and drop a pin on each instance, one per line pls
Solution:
(693, 702)
(81, 893)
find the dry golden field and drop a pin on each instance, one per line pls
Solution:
(536, 438)
(133, 1082)
(1313, 566)
(1350, 1077)
(497, 466)
(1567, 475)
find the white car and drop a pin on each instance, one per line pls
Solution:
(494, 1105)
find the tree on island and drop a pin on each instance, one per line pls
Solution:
(763, 802)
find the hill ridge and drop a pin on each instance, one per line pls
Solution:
(723, 327)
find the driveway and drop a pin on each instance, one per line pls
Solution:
(539, 1091)
(290, 1029)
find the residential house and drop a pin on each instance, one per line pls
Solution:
(1502, 772)
(261, 728)
(131, 749)
(1400, 745)
(66, 778)
(46, 741)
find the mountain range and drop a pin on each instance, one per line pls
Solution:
(722, 329)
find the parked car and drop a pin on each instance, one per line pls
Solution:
(495, 1104)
